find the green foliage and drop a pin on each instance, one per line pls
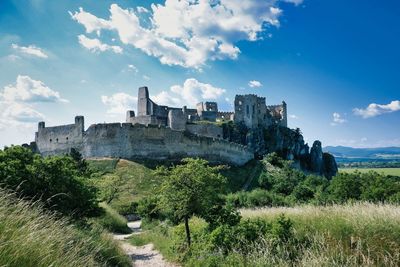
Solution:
(275, 160)
(112, 220)
(148, 208)
(256, 198)
(32, 236)
(191, 189)
(125, 184)
(370, 186)
(59, 181)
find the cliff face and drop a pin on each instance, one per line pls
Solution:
(288, 143)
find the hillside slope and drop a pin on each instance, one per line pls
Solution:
(31, 237)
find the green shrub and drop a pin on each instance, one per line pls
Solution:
(58, 181)
(256, 198)
(112, 221)
(148, 208)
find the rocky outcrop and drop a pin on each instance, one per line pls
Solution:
(330, 166)
(316, 160)
(290, 145)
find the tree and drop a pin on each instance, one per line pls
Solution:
(192, 188)
(57, 181)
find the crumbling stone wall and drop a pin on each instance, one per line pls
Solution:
(140, 142)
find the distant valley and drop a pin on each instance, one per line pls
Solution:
(350, 154)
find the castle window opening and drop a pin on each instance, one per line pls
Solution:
(247, 110)
(50, 140)
(57, 140)
(67, 138)
(240, 103)
(254, 109)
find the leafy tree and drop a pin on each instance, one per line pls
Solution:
(81, 164)
(192, 188)
(345, 186)
(56, 181)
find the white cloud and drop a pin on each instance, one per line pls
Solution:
(377, 109)
(296, 2)
(30, 50)
(21, 112)
(27, 89)
(17, 102)
(337, 119)
(95, 45)
(133, 68)
(119, 103)
(254, 84)
(190, 93)
(91, 22)
(293, 116)
(146, 78)
(188, 33)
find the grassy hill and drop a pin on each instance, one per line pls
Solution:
(29, 236)
(131, 180)
(136, 180)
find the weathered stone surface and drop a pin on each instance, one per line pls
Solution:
(316, 161)
(330, 166)
(138, 142)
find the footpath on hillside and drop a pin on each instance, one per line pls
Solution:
(142, 256)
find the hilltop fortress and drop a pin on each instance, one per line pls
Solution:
(159, 132)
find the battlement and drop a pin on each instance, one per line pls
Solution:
(163, 132)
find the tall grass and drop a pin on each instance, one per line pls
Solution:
(359, 234)
(30, 236)
(112, 220)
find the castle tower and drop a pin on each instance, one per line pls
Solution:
(144, 107)
(80, 123)
(284, 121)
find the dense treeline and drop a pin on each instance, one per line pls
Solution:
(280, 184)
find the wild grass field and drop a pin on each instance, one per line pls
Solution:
(359, 234)
(362, 234)
(386, 171)
(31, 236)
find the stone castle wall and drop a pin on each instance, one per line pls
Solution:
(139, 142)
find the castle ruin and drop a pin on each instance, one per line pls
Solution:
(159, 132)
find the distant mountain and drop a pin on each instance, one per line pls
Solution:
(366, 153)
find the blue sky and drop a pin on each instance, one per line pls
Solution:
(335, 63)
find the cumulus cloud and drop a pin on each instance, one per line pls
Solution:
(188, 33)
(22, 113)
(374, 110)
(119, 103)
(337, 119)
(293, 116)
(190, 93)
(30, 50)
(27, 89)
(255, 84)
(17, 101)
(95, 45)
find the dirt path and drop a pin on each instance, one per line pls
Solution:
(142, 256)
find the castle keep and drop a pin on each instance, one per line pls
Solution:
(160, 132)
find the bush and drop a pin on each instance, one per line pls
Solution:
(148, 208)
(112, 221)
(58, 181)
(256, 198)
